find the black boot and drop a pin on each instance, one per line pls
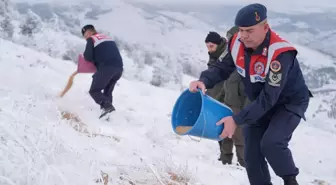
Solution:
(107, 108)
(106, 111)
(290, 180)
(226, 158)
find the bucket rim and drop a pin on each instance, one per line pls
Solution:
(201, 111)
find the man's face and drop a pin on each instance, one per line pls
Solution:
(253, 36)
(211, 47)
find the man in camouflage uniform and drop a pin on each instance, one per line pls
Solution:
(229, 92)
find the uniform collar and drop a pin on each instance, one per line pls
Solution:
(262, 48)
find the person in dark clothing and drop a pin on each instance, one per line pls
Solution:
(229, 92)
(104, 53)
(274, 84)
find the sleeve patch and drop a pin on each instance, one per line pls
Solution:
(275, 78)
(275, 66)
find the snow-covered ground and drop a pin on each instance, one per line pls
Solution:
(164, 43)
(38, 145)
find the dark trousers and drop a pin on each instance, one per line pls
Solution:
(226, 145)
(226, 148)
(269, 139)
(102, 86)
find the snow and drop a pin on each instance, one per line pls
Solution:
(301, 24)
(160, 39)
(157, 43)
(38, 146)
(330, 87)
(313, 58)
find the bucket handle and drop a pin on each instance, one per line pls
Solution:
(196, 140)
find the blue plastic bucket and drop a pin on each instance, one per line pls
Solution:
(198, 114)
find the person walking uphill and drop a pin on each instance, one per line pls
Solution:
(230, 92)
(274, 83)
(104, 53)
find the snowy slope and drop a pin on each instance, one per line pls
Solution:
(170, 42)
(38, 146)
(170, 38)
(163, 43)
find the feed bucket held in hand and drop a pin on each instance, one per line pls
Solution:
(196, 114)
(85, 66)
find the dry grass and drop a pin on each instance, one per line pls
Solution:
(177, 179)
(77, 124)
(320, 182)
(177, 174)
(126, 180)
(103, 179)
(172, 176)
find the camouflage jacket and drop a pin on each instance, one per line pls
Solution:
(231, 91)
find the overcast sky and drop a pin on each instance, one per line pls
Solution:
(157, 1)
(319, 3)
(268, 2)
(198, 1)
(279, 6)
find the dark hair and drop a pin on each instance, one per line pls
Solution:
(88, 27)
(213, 37)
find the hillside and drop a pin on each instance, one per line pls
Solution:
(182, 30)
(39, 146)
(48, 140)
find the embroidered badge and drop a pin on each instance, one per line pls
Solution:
(257, 17)
(274, 79)
(259, 68)
(275, 66)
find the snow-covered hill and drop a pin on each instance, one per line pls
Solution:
(38, 145)
(162, 46)
(163, 43)
(167, 41)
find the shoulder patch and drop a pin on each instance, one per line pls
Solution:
(275, 66)
(274, 78)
